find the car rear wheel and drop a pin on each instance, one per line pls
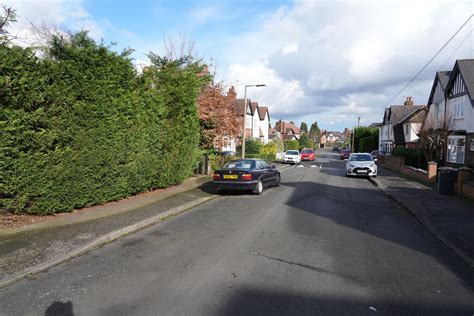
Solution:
(278, 181)
(258, 188)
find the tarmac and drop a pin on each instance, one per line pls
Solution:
(25, 251)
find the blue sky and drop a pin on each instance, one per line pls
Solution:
(325, 61)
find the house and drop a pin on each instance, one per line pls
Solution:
(459, 113)
(288, 131)
(332, 137)
(257, 121)
(400, 126)
(323, 139)
(264, 124)
(273, 133)
(436, 101)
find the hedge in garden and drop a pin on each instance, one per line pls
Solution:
(79, 127)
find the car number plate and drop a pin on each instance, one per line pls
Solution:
(230, 176)
(362, 171)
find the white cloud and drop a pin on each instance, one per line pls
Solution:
(334, 61)
(68, 14)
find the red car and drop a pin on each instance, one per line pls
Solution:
(344, 154)
(308, 154)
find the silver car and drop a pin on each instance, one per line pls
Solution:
(361, 165)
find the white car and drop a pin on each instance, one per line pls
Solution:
(292, 156)
(361, 165)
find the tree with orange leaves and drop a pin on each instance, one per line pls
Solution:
(218, 117)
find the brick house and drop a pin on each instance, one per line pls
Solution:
(288, 131)
(400, 126)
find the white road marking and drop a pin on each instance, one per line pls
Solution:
(321, 166)
(300, 166)
(312, 166)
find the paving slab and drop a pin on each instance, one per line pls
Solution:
(450, 218)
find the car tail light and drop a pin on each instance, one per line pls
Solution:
(246, 176)
(216, 176)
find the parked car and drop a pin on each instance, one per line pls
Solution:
(344, 154)
(246, 174)
(336, 149)
(375, 154)
(292, 156)
(228, 153)
(361, 165)
(308, 154)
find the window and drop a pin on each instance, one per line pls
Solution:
(407, 129)
(262, 164)
(248, 121)
(459, 108)
(456, 149)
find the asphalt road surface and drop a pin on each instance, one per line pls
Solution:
(320, 243)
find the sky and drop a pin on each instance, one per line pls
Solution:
(325, 61)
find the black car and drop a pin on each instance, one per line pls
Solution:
(246, 174)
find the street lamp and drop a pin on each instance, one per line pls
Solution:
(245, 114)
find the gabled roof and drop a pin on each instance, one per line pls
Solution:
(417, 116)
(443, 78)
(238, 104)
(254, 106)
(262, 111)
(466, 68)
(396, 113)
(285, 127)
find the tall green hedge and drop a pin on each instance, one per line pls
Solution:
(80, 127)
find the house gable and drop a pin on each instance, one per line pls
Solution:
(462, 79)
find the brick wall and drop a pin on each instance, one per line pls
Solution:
(397, 164)
(468, 190)
(469, 155)
(391, 162)
(417, 174)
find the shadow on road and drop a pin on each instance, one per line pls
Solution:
(59, 309)
(253, 301)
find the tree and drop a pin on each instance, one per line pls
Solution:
(305, 141)
(315, 133)
(432, 138)
(252, 146)
(304, 127)
(292, 145)
(365, 138)
(218, 118)
(6, 18)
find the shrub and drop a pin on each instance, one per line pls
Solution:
(413, 157)
(79, 127)
(367, 144)
(292, 145)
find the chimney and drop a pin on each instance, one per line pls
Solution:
(408, 101)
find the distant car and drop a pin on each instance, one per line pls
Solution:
(344, 154)
(246, 174)
(292, 156)
(308, 154)
(336, 149)
(228, 153)
(361, 165)
(375, 154)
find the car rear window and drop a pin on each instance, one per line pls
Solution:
(292, 152)
(307, 151)
(240, 164)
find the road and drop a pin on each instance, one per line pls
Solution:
(320, 243)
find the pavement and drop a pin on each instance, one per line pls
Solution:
(449, 218)
(34, 248)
